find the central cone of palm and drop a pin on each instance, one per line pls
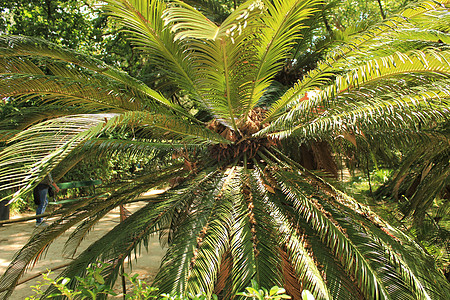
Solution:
(243, 141)
(249, 160)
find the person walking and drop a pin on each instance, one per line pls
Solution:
(40, 193)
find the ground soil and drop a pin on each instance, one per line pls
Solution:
(14, 236)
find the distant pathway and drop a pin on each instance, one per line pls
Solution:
(14, 236)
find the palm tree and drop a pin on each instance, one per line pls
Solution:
(244, 207)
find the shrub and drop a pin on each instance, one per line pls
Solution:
(93, 285)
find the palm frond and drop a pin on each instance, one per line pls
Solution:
(170, 127)
(254, 248)
(375, 43)
(189, 230)
(139, 185)
(146, 29)
(282, 26)
(63, 91)
(118, 244)
(373, 80)
(214, 239)
(39, 242)
(290, 238)
(357, 249)
(88, 211)
(187, 22)
(17, 121)
(219, 51)
(40, 148)
(15, 49)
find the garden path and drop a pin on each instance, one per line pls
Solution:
(14, 236)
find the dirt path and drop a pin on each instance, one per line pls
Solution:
(14, 236)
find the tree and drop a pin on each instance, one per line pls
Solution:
(65, 22)
(241, 205)
(347, 13)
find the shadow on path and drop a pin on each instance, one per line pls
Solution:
(14, 236)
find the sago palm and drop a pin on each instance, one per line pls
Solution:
(243, 207)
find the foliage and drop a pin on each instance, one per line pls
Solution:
(80, 26)
(140, 289)
(255, 292)
(92, 286)
(66, 22)
(252, 192)
(348, 13)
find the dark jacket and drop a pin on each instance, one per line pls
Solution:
(45, 184)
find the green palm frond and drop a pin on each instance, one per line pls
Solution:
(218, 50)
(86, 212)
(379, 41)
(105, 146)
(63, 135)
(147, 30)
(90, 96)
(230, 45)
(187, 22)
(291, 238)
(283, 23)
(254, 246)
(370, 282)
(40, 148)
(118, 244)
(332, 224)
(27, 116)
(21, 47)
(305, 267)
(37, 244)
(166, 127)
(189, 229)
(435, 18)
(395, 115)
(214, 239)
(125, 239)
(338, 284)
(370, 40)
(362, 88)
(422, 36)
(243, 208)
(127, 191)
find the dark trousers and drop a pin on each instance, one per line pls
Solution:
(4, 210)
(40, 198)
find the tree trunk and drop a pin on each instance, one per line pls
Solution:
(48, 4)
(383, 15)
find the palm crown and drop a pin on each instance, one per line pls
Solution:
(245, 208)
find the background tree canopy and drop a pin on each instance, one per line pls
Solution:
(65, 22)
(248, 113)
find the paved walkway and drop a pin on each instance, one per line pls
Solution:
(14, 236)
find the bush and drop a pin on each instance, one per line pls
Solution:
(93, 285)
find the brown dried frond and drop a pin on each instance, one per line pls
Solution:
(292, 284)
(223, 281)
